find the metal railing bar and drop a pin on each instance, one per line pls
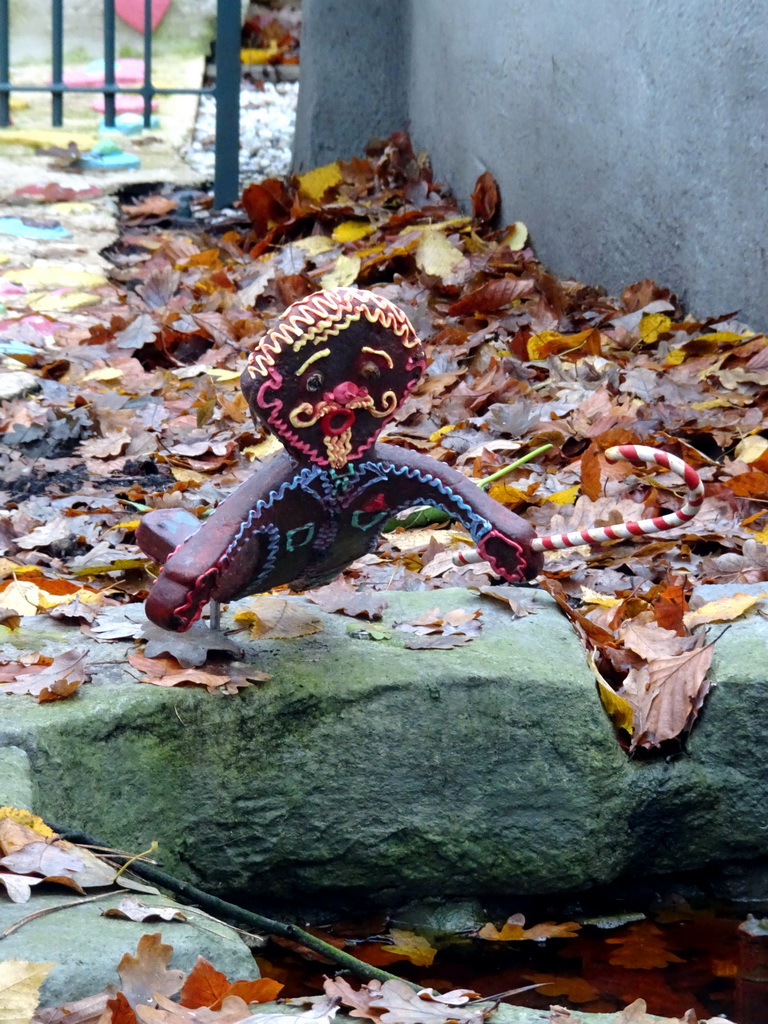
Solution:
(227, 162)
(109, 63)
(57, 62)
(147, 90)
(5, 64)
(7, 87)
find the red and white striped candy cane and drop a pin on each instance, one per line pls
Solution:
(600, 534)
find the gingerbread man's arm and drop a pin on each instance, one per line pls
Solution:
(501, 536)
(218, 559)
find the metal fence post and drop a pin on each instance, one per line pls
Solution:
(57, 63)
(109, 63)
(5, 64)
(227, 92)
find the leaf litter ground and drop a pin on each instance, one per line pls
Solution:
(137, 406)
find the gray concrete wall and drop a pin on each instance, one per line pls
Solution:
(630, 138)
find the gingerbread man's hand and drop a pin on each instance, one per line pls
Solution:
(503, 553)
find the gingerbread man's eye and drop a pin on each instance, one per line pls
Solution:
(314, 382)
(369, 370)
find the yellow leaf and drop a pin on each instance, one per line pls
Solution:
(44, 302)
(20, 983)
(28, 819)
(316, 183)
(616, 707)
(269, 446)
(130, 524)
(722, 609)
(313, 245)
(259, 55)
(434, 438)
(344, 272)
(549, 343)
(675, 357)
(414, 947)
(105, 373)
(85, 596)
(652, 325)
(761, 537)
(435, 255)
(516, 236)
(602, 600)
(749, 449)
(712, 403)
(44, 137)
(351, 230)
(55, 276)
(507, 494)
(222, 376)
(188, 476)
(725, 336)
(20, 597)
(566, 497)
(276, 618)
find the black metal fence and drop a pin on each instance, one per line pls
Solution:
(226, 90)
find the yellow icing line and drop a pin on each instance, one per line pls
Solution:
(308, 362)
(379, 352)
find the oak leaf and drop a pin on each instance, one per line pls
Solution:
(414, 947)
(722, 609)
(277, 618)
(146, 974)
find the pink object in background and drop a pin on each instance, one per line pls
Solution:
(124, 104)
(132, 12)
(128, 71)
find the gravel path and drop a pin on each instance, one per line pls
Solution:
(267, 121)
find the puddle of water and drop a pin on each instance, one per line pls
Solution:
(675, 959)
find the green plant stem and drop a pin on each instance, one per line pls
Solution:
(220, 908)
(513, 465)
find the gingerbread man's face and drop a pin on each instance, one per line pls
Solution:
(331, 373)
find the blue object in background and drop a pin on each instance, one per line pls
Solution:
(36, 229)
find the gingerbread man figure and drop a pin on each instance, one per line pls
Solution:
(326, 379)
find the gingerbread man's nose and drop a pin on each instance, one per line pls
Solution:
(345, 392)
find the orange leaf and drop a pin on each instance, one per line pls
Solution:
(121, 1010)
(204, 986)
(262, 990)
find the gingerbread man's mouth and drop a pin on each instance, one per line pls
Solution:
(336, 421)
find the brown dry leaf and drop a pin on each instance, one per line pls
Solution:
(341, 596)
(132, 910)
(358, 999)
(46, 859)
(82, 1011)
(437, 642)
(666, 695)
(414, 947)
(402, 1005)
(723, 609)
(166, 670)
(485, 198)
(641, 948)
(276, 618)
(166, 1011)
(146, 974)
(48, 679)
(576, 990)
(513, 930)
(15, 836)
(650, 640)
